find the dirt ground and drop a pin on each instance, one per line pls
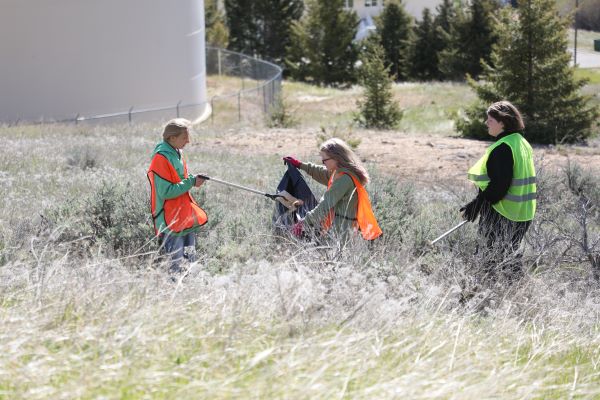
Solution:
(427, 158)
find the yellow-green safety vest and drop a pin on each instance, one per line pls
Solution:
(519, 202)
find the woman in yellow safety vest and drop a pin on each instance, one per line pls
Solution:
(506, 202)
(175, 213)
(345, 206)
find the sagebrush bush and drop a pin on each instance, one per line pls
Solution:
(567, 229)
(280, 115)
(114, 217)
(84, 157)
(395, 206)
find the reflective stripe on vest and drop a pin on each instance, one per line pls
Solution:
(514, 182)
(181, 212)
(519, 203)
(365, 219)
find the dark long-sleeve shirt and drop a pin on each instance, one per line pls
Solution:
(500, 171)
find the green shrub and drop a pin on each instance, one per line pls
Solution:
(84, 157)
(114, 217)
(471, 123)
(394, 205)
(280, 115)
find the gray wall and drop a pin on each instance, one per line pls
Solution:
(60, 58)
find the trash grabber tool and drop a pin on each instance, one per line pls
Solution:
(447, 233)
(270, 196)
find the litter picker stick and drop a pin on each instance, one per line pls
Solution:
(271, 196)
(447, 233)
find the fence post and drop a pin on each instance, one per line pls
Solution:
(219, 60)
(272, 92)
(129, 113)
(77, 119)
(178, 108)
(255, 70)
(240, 106)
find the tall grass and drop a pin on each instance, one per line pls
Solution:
(86, 314)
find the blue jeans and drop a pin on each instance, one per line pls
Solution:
(174, 247)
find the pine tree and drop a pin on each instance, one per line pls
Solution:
(262, 27)
(240, 17)
(423, 60)
(322, 49)
(216, 31)
(394, 27)
(378, 108)
(275, 18)
(532, 70)
(442, 25)
(472, 35)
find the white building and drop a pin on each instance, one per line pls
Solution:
(64, 58)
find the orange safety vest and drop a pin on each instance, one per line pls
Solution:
(365, 219)
(182, 212)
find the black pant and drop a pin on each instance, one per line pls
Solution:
(502, 240)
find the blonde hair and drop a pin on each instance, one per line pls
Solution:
(176, 127)
(345, 157)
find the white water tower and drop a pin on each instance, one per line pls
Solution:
(63, 58)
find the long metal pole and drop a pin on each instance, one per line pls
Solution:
(447, 233)
(208, 178)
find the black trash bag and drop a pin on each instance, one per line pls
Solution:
(293, 183)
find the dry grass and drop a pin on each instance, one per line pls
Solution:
(265, 316)
(285, 330)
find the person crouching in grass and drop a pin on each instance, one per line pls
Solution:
(175, 213)
(345, 206)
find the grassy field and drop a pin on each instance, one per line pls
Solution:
(88, 309)
(427, 108)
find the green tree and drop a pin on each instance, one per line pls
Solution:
(423, 60)
(241, 21)
(262, 27)
(217, 33)
(377, 109)
(472, 35)
(532, 70)
(394, 28)
(442, 26)
(275, 24)
(322, 49)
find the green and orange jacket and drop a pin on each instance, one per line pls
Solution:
(174, 210)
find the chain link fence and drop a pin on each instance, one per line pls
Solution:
(242, 89)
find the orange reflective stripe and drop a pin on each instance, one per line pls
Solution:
(182, 212)
(367, 223)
